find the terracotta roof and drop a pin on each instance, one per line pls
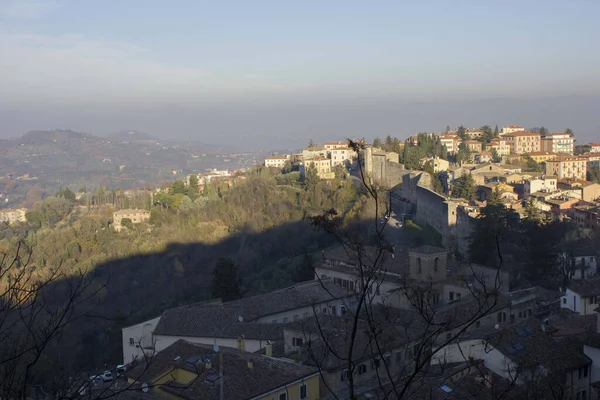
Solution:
(240, 381)
(514, 126)
(276, 158)
(338, 142)
(315, 148)
(566, 157)
(541, 153)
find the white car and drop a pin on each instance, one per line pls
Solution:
(107, 376)
(121, 370)
(96, 379)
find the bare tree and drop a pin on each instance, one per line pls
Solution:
(371, 329)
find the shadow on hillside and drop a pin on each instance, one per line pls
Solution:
(141, 287)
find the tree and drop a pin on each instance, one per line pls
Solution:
(543, 131)
(178, 187)
(532, 165)
(186, 204)
(532, 214)
(127, 223)
(311, 143)
(193, 187)
(311, 176)
(495, 198)
(496, 131)
(462, 133)
(593, 174)
(569, 132)
(464, 187)
(225, 281)
(463, 154)
(496, 158)
(377, 143)
(306, 270)
(487, 134)
(287, 167)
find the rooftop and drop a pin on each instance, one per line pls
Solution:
(235, 318)
(315, 148)
(428, 250)
(585, 287)
(566, 157)
(523, 133)
(240, 381)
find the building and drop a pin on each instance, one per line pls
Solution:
(450, 141)
(342, 156)
(475, 133)
(528, 356)
(335, 145)
(257, 318)
(322, 164)
(135, 216)
(584, 190)
(500, 146)
(438, 164)
(582, 296)
(483, 157)
(593, 159)
(558, 143)
(546, 184)
(541, 156)
(473, 145)
(565, 166)
(12, 215)
(586, 215)
(277, 161)
(522, 142)
(314, 152)
(187, 370)
(594, 147)
(511, 129)
(584, 263)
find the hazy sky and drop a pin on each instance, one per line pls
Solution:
(222, 69)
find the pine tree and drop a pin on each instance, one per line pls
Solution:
(226, 281)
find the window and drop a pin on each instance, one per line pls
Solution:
(305, 315)
(303, 391)
(398, 357)
(296, 317)
(344, 375)
(448, 336)
(477, 323)
(283, 396)
(435, 264)
(343, 309)
(285, 320)
(297, 342)
(418, 265)
(451, 296)
(375, 363)
(377, 291)
(564, 300)
(583, 372)
(362, 369)
(131, 341)
(333, 310)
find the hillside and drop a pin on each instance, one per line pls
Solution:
(54, 159)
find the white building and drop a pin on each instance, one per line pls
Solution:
(13, 215)
(511, 129)
(137, 340)
(342, 156)
(257, 319)
(558, 143)
(277, 161)
(594, 147)
(584, 264)
(582, 296)
(542, 184)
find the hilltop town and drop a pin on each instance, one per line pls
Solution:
(453, 265)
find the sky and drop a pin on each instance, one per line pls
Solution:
(282, 71)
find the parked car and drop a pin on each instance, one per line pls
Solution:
(399, 224)
(107, 376)
(96, 379)
(121, 370)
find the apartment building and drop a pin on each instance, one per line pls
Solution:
(543, 184)
(474, 145)
(566, 166)
(277, 161)
(322, 164)
(511, 129)
(342, 156)
(450, 140)
(541, 156)
(595, 147)
(558, 142)
(500, 146)
(522, 142)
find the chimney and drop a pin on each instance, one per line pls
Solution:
(269, 349)
(208, 363)
(250, 363)
(241, 343)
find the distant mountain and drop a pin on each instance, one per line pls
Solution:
(132, 136)
(64, 158)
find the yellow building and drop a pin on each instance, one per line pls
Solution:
(523, 142)
(542, 156)
(187, 370)
(565, 166)
(322, 164)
